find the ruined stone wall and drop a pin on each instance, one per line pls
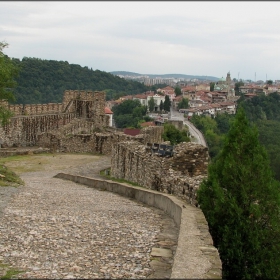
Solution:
(191, 159)
(30, 120)
(175, 175)
(178, 124)
(35, 109)
(83, 136)
(24, 130)
(94, 101)
(86, 104)
(151, 134)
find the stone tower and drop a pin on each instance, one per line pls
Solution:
(231, 92)
(228, 79)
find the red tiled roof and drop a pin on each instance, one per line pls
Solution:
(145, 124)
(250, 94)
(188, 88)
(141, 96)
(168, 88)
(127, 97)
(178, 98)
(132, 131)
(108, 111)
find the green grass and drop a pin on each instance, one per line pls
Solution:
(10, 178)
(10, 272)
(103, 173)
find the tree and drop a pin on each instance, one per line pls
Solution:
(223, 122)
(8, 71)
(126, 107)
(183, 104)
(237, 86)
(51, 78)
(212, 84)
(178, 91)
(129, 113)
(167, 103)
(161, 105)
(241, 202)
(269, 82)
(174, 135)
(151, 104)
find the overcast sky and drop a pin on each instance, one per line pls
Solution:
(195, 38)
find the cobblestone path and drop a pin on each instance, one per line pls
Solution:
(53, 229)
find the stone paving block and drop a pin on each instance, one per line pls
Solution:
(160, 252)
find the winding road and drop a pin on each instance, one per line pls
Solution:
(199, 138)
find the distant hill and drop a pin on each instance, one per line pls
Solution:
(44, 81)
(125, 73)
(167, 76)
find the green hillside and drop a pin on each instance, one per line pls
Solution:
(44, 81)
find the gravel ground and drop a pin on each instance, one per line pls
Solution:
(51, 228)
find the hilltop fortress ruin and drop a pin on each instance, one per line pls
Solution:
(79, 124)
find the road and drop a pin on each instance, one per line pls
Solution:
(199, 138)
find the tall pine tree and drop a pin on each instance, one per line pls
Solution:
(241, 202)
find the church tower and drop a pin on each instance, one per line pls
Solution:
(228, 79)
(230, 92)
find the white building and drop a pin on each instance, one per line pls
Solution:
(109, 113)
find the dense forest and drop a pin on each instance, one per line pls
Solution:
(44, 81)
(263, 112)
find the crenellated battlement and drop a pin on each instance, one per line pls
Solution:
(72, 101)
(29, 120)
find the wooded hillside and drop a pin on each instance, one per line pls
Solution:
(44, 81)
(263, 112)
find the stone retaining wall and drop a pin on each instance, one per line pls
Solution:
(195, 257)
(180, 175)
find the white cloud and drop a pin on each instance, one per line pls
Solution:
(203, 38)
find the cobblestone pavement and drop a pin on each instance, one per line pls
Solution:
(51, 228)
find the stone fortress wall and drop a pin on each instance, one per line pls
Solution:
(30, 120)
(82, 136)
(179, 175)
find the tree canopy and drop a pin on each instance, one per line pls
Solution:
(161, 105)
(183, 104)
(262, 107)
(167, 103)
(129, 113)
(151, 104)
(178, 91)
(261, 110)
(174, 135)
(212, 84)
(8, 72)
(241, 202)
(44, 81)
(269, 82)
(237, 86)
